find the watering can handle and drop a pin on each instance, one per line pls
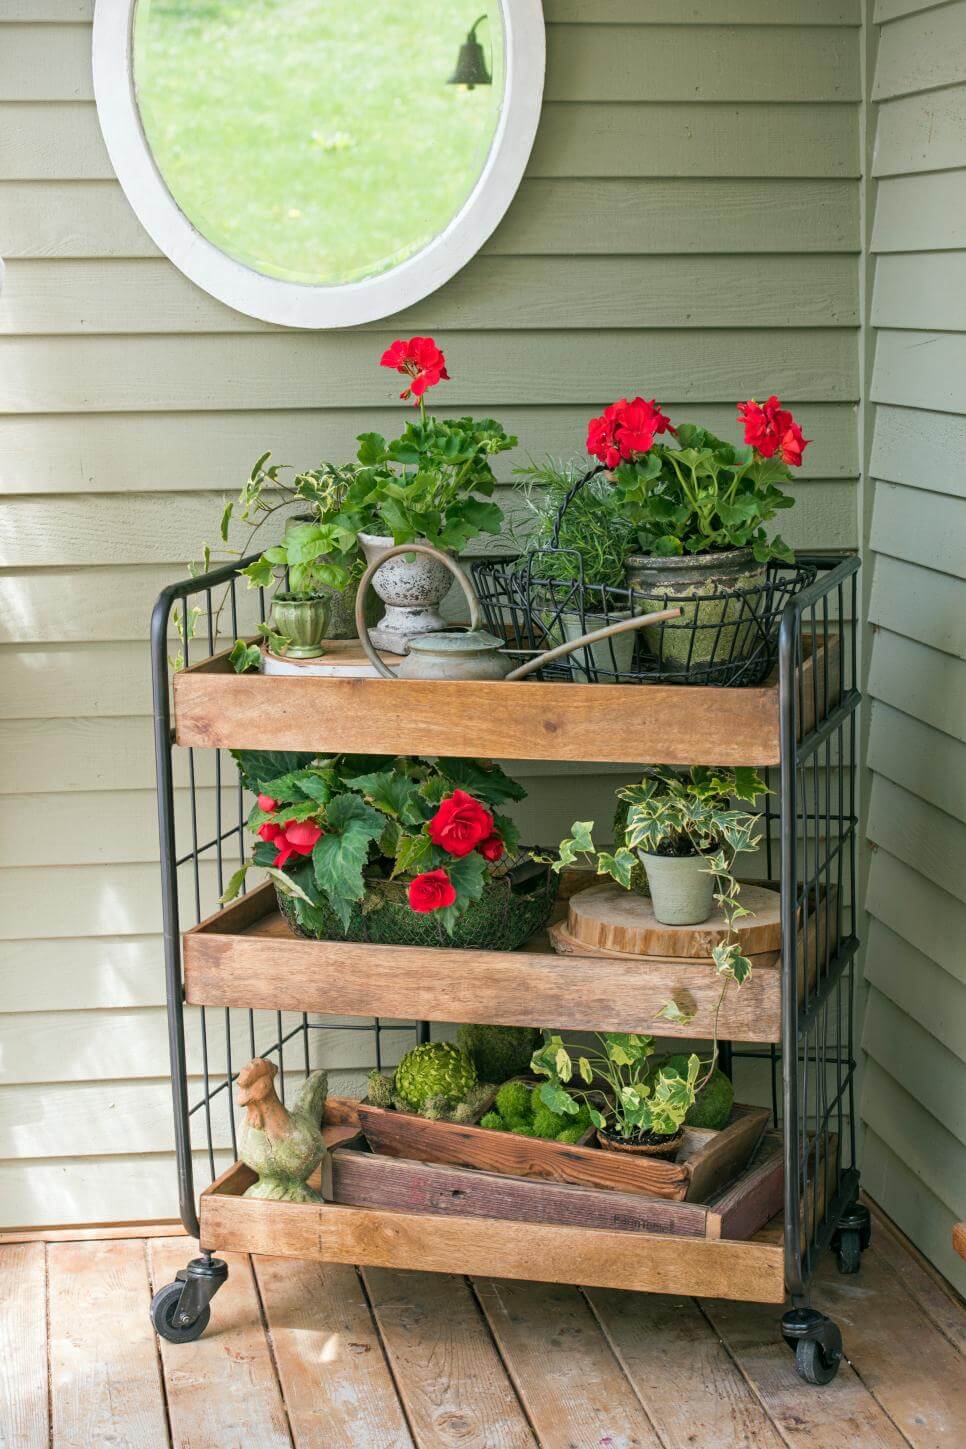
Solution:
(426, 548)
(621, 627)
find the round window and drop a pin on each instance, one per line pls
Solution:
(319, 162)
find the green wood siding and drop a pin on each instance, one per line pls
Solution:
(681, 231)
(914, 1159)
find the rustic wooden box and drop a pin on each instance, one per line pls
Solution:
(358, 1177)
(706, 1162)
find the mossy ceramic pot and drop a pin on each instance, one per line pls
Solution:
(719, 626)
(303, 621)
(681, 886)
(609, 659)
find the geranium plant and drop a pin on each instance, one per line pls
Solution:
(698, 493)
(337, 831)
(434, 481)
(613, 1079)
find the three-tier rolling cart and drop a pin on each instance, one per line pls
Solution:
(239, 984)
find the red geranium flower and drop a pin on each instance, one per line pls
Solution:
(420, 359)
(625, 430)
(296, 837)
(460, 824)
(491, 848)
(771, 429)
(431, 891)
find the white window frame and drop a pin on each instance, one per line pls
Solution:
(297, 304)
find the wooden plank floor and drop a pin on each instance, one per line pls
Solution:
(328, 1357)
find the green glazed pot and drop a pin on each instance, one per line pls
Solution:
(704, 636)
(342, 602)
(303, 621)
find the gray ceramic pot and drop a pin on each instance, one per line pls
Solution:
(704, 635)
(303, 621)
(411, 589)
(602, 661)
(682, 890)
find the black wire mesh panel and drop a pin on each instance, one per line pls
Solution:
(724, 637)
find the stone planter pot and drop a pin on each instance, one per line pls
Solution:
(704, 635)
(303, 621)
(682, 889)
(411, 589)
(603, 663)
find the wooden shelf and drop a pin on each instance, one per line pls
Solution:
(247, 956)
(527, 720)
(492, 1247)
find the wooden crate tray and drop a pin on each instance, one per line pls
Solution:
(359, 1177)
(658, 1262)
(706, 1162)
(247, 956)
(526, 720)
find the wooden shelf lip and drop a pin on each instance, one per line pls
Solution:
(491, 1247)
(526, 720)
(246, 956)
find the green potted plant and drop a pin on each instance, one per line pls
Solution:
(430, 485)
(680, 826)
(699, 508)
(578, 544)
(395, 850)
(633, 1109)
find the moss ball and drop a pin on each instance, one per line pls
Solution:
(494, 1121)
(572, 1134)
(547, 1123)
(712, 1106)
(513, 1102)
(498, 1052)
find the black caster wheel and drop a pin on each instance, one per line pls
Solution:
(815, 1364)
(849, 1250)
(164, 1315)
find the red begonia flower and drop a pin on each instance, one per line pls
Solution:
(431, 891)
(491, 848)
(297, 837)
(460, 824)
(266, 803)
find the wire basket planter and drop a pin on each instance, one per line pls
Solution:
(726, 634)
(724, 637)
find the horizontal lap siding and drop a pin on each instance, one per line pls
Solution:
(673, 235)
(915, 1023)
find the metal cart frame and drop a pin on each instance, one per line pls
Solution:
(810, 823)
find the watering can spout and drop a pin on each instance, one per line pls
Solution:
(473, 654)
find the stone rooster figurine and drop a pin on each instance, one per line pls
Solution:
(284, 1146)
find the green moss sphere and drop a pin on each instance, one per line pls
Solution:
(513, 1102)
(712, 1106)
(498, 1052)
(494, 1121)
(436, 1069)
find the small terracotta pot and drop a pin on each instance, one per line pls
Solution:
(668, 1148)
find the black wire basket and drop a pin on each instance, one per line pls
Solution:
(725, 636)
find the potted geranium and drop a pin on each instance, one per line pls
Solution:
(680, 826)
(699, 506)
(401, 851)
(633, 1109)
(430, 485)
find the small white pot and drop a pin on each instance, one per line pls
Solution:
(411, 589)
(682, 888)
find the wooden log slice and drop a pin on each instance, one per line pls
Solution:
(609, 918)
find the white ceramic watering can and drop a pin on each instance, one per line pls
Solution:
(471, 653)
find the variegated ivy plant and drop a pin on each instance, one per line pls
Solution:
(341, 830)
(615, 1074)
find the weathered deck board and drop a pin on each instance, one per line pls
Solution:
(448, 1373)
(24, 1415)
(105, 1386)
(337, 1386)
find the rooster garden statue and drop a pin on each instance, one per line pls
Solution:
(284, 1146)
